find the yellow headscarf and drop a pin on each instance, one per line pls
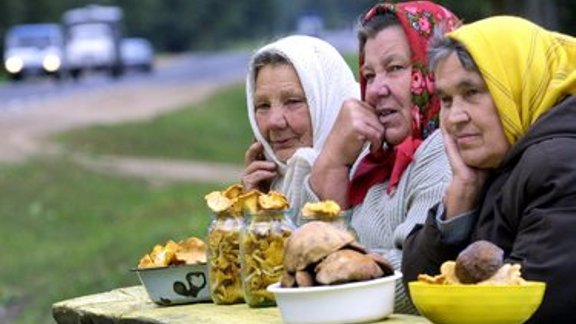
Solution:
(527, 68)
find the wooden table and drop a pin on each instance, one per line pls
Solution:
(132, 305)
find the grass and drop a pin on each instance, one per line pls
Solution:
(68, 231)
(352, 60)
(215, 130)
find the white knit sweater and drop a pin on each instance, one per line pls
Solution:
(383, 221)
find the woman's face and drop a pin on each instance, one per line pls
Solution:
(281, 110)
(469, 114)
(388, 72)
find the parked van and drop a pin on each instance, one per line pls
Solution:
(93, 35)
(33, 50)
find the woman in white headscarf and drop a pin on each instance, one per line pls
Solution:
(294, 90)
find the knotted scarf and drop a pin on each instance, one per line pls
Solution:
(417, 19)
(327, 81)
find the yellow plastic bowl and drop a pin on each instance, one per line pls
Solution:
(457, 304)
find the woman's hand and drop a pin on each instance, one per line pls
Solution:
(463, 192)
(356, 124)
(259, 173)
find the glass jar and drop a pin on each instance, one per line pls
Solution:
(224, 265)
(262, 252)
(340, 220)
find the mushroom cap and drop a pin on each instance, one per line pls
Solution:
(383, 263)
(345, 266)
(311, 243)
(478, 262)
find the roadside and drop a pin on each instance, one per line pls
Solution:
(26, 132)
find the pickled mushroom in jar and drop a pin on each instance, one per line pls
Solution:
(263, 255)
(225, 283)
(262, 245)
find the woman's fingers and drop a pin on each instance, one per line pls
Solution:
(254, 153)
(371, 130)
(365, 125)
(258, 175)
(464, 190)
(356, 124)
(258, 180)
(459, 167)
(260, 165)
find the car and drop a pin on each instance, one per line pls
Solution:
(137, 54)
(34, 50)
(93, 35)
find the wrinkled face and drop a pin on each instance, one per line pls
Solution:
(282, 111)
(469, 114)
(388, 72)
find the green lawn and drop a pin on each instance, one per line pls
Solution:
(352, 60)
(215, 130)
(68, 231)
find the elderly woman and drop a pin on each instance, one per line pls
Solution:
(384, 159)
(508, 116)
(294, 89)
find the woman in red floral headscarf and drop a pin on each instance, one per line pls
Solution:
(384, 159)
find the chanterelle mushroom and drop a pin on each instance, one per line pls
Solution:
(311, 243)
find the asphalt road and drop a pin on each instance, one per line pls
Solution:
(188, 68)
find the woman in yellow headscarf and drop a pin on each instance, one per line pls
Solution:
(507, 89)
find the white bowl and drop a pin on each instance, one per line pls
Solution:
(179, 284)
(345, 303)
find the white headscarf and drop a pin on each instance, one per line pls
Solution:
(327, 81)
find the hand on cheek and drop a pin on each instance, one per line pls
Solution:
(259, 173)
(463, 191)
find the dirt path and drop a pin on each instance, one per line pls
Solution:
(24, 132)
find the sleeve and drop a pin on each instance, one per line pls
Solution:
(545, 196)
(293, 184)
(308, 194)
(425, 249)
(427, 184)
(456, 229)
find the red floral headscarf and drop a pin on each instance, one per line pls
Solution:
(418, 19)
